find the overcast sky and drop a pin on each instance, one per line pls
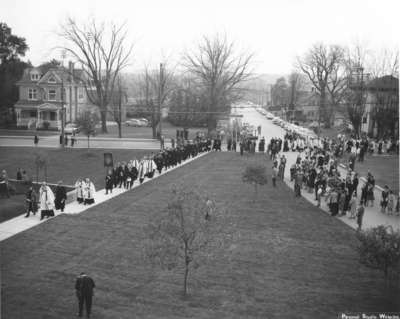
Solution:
(275, 30)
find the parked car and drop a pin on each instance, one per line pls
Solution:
(135, 122)
(144, 121)
(72, 128)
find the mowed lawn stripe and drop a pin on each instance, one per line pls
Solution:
(287, 258)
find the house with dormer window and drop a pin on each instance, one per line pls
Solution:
(44, 92)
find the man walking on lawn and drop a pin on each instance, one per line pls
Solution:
(84, 286)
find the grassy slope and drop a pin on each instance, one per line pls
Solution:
(66, 165)
(289, 260)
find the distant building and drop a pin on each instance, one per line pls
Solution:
(40, 97)
(382, 93)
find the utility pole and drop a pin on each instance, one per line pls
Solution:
(62, 113)
(62, 100)
(119, 109)
(160, 92)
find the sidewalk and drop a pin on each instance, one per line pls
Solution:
(20, 223)
(372, 216)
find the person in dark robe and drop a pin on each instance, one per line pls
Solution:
(84, 286)
(109, 182)
(31, 202)
(115, 175)
(60, 197)
(19, 174)
(360, 216)
(127, 178)
(36, 140)
(234, 145)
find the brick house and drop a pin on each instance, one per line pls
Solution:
(40, 99)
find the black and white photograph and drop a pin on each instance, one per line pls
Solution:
(199, 159)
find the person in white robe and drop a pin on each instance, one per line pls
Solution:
(151, 168)
(142, 170)
(88, 192)
(46, 198)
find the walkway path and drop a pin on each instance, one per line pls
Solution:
(95, 142)
(20, 223)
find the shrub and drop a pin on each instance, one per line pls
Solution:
(380, 249)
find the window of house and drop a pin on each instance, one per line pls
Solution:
(52, 95)
(52, 116)
(80, 93)
(32, 94)
(32, 114)
(34, 76)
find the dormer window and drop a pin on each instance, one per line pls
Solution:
(52, 79)
(34, 76)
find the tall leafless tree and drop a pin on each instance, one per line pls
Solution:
(355, 98)
(155, 87)
(220, 70)
(103, 52)
(323, 66)
(296, 83)
(384, 62)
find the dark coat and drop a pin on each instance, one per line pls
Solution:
(84, 286)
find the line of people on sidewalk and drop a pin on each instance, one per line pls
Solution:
(46, 201)
(124, 174)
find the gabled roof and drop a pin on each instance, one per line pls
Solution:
(61, 73)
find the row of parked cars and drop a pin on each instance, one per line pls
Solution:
(287, 125)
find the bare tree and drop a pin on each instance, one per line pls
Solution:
(384, 62)
(189, 232)
(220, 70)
(279, 92)
(101, 51)
(323, 66)
(296, 83)
(87, 122)
(154, 88)
(355, 94)
(119, 98)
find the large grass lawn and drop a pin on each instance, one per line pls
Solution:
(288, 258)
(63, 164)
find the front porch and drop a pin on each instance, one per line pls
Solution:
(45, 116)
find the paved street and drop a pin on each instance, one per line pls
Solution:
(372, 217)
(95, 142)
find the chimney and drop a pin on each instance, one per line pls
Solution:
(71, 71)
